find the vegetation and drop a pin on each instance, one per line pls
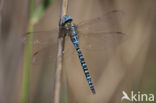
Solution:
(35, 15)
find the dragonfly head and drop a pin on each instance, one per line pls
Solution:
(66, 19)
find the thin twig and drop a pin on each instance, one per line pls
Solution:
(59, 67)
(64, 8)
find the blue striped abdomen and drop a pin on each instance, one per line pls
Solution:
(74, 39)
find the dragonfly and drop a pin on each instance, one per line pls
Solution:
(85, 35)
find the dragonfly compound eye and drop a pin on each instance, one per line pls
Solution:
(66, 19)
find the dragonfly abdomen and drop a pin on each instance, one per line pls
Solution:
(85, 69)
(74, 39)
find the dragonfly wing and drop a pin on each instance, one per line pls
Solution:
(94, 34)
(102, 22)
(42, 41)
(102, 32)
(100, 41)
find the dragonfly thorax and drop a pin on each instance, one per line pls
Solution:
(71, 29)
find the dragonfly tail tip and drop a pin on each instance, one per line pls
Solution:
(93, 91)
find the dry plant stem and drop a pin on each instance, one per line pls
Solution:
(59, 67)
(59, 71)
(64, 8)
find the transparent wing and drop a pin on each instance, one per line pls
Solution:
(105, 18)
(93, 34)
(42, 40)
(97, 41)
(100, 33)
(96, 33)
(94, 22)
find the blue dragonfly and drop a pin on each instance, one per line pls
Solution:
(90, 35)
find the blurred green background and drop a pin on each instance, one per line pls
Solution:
(27, 72)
